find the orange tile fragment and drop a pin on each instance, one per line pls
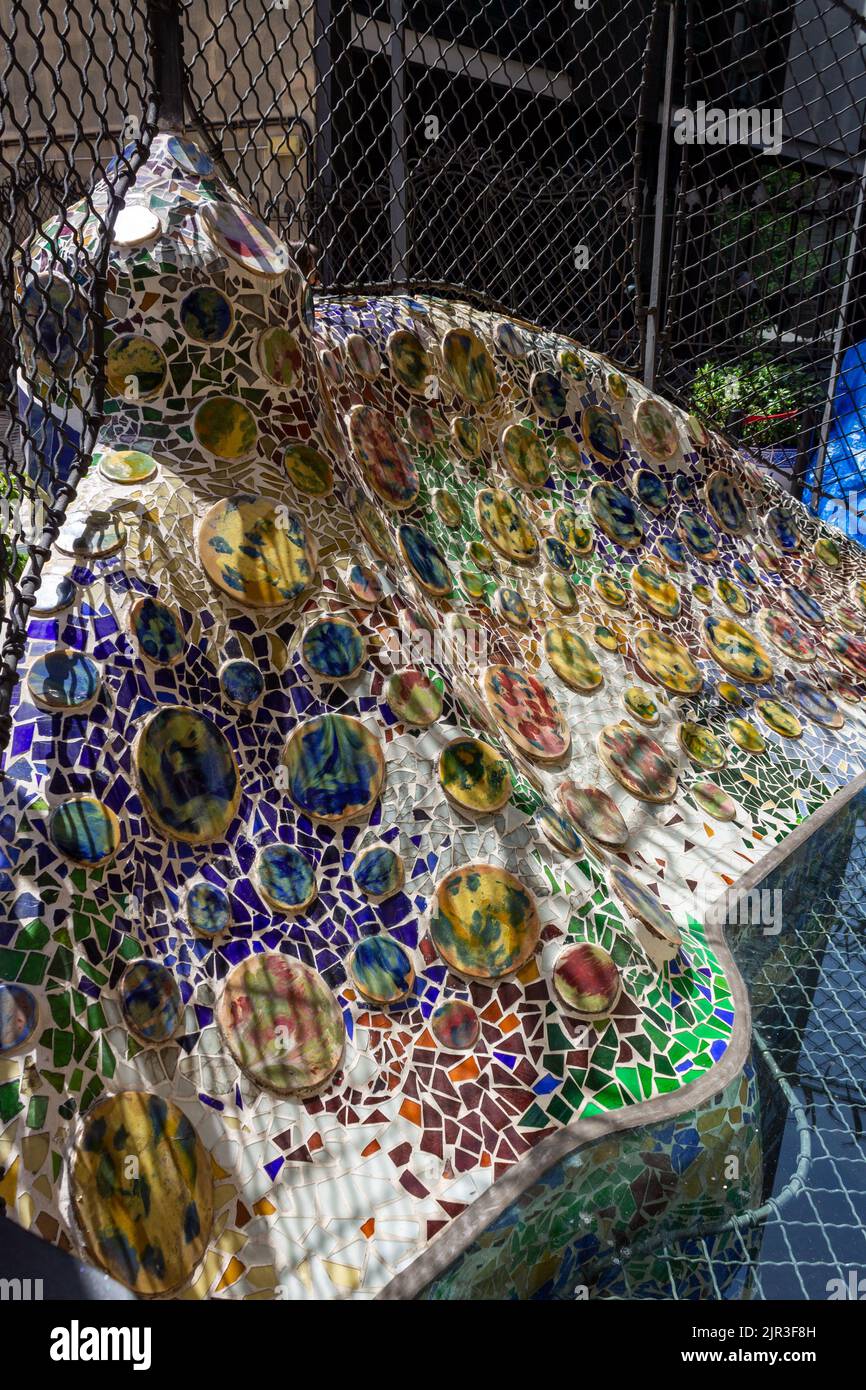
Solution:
(492, 1013)
(263, 1207)
(486, 1160)
(411, 1111)
(464, 1071)
(372, 1148)
(234, 1270)
(509, 1023)
(424, 1039)
(368, 1227)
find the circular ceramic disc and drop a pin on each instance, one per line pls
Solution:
(187, 775)
(654, 592)
(640, 704)
(206, 315)
(571, 660)
(672, 551)
(188, 157)
(785, 634)
(455, 1025)
(91, 535)
(616, 514)
(410, 361)
(731, 694)
(572, 363)
(466, 436)
(560, 591)
(425, 561)
(816, 705)
(733, 597)
(383, 456)
(282, 1024)
(85, 831)
(827, 551)
(127, 466)
(637, 763)
(557, 829)
(696, 431)
(526, 712)
(746, 736)
(505, 525)
(447, 508)
(746, 574)
(150, 1001)
(643, 904)
(279, 356)
(779, 718)
(509, 339)
(601, 433)
(474, 775)
(567, 453)
(609, 590)
(381, 969)
(378, 872)
(333, 649)
(363, 356)
(851, 651)
(226, 428)
(698, 535)
(667, 661)
(617, 386)
(150, 1232)
(525, 456)
(806, 606)
(364, 585)
(702, 593)
(247, 240)
(782, 531)
(656, 429)
(765, 558)
(512, 607)
(208, 909)
(548, 394)
(135, 226)
(335, 767)
(558, 555)
(700, 745)
(483, 921)
(55, 326)
(56, 592)
(259, 556)
(374, 528)
(727, 503)
(308, 469)
(586, 981)
(241, 682)
(737, 651)
(649, 489)
(157, 632)
(469, 365)
(413, 697)
(595, 813)
(608, 638)
(19, 1018)
(285, 878)
(135, 368)
(714, 801)
(573, 530)
(63, 680)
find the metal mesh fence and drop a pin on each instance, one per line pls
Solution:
(679, 185)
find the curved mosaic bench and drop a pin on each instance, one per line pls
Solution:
(343, 708)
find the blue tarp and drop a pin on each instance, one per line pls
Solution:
(845, 465)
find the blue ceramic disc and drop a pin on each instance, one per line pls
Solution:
(205, 315)
(378, 872)
(285, 878)
(188, 157)
(208, 909)
(56, 591)
(150, 1001)
(241, 682)
(187, 775)
(382, 969)
(332, 649)
(335, 767)
(19, 1017)
(455, 1025)
(63, 680)
(425, 560)
(84, 830)
(157, 632)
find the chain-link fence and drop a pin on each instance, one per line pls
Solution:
(677, 183)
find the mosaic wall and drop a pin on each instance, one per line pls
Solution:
(405, 683)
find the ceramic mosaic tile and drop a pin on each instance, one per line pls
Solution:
(363, 519)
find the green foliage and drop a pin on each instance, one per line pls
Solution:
(758, 385)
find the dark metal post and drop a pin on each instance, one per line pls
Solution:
(397, 160)
(653, 314)
(166, 46)
(324, 168)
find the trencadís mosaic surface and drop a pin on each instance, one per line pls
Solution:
(319, 544)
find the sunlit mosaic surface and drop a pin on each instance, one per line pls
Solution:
(250, 396)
